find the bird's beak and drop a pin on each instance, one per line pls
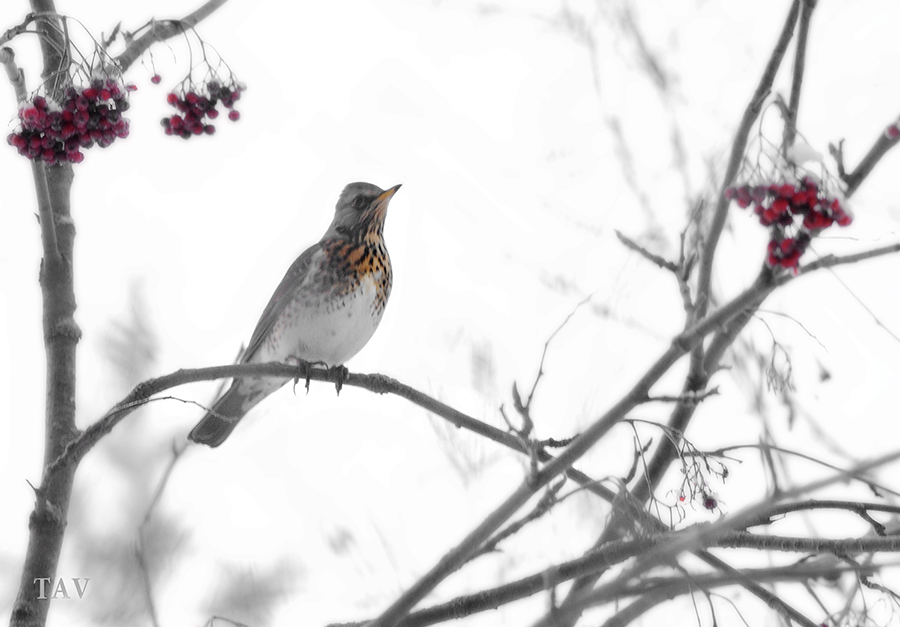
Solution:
(387, 194)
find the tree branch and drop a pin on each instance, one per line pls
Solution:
(584, 442)
(737, 155)
(793, 109)
(47, 522)
(162, 30)
(878, 150)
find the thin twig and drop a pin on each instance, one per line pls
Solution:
(694, 398)
(646, 254)
(561, 326)
(177, 451)
(162, 30)
(831, 261)
(870, 484)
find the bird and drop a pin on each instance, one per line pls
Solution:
(324, 311)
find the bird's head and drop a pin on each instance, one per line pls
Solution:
(360, 210)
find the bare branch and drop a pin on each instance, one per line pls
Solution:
(162, 30)
(737, 155)
(646, 254)
(861, 478)
(861, 509)
(878, 150)
(790, 122)
(722, 534)
(681, 344)
(830, 261)
(139, 548)
(694, 398)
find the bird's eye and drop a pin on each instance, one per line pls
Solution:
(360, 202)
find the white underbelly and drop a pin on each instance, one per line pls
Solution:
(314, 332)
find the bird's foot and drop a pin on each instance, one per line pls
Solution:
(308, 368)
(342, 375)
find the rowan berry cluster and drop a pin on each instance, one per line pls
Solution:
(794, 212)
(89, 116)
(197, 107)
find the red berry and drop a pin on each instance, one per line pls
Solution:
(209, 129)
(192, 98)
(730, 194)
(234, 116)
(105, 94)
(212, 113)
(786, 190)
(171, 99)
(121, 128)
(815, 220)
(90, 93)
(130, 87)
(75, 157)
(800, 200)
(758, 193)
(40, 102)
(791, 260)
(780, 205)
(892, 132)
(156, 79)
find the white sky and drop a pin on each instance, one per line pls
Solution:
(497, 122)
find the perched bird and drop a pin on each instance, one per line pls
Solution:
(325, 310)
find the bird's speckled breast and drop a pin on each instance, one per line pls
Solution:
(337, 308)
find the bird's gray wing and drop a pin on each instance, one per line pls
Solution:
(283, 294)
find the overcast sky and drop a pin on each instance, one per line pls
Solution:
(523, 136)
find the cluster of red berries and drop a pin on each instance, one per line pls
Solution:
(794, 211)
(197, 108)
(89, 115)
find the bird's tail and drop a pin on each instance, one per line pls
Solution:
(221, 420)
